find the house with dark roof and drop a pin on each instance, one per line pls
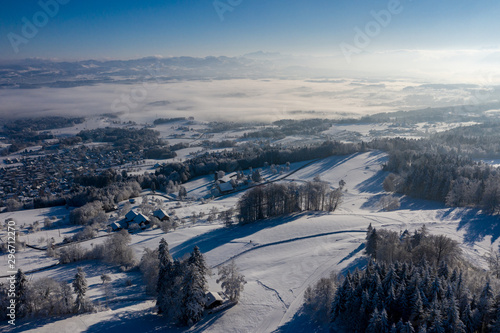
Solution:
(225, 187)
(141, 220)
(131, 215)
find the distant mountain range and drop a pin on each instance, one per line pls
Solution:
(36, 73)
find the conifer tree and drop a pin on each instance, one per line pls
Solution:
(21, 287)
(164, 283)
(194, 287)
(482, 315)
(417, 312)
(495, 326)
(467, 319)
(371, 243)
(80, 289)
(378, 322)
(422, 328)
(453, 322)
(407, 328)
(436, 320)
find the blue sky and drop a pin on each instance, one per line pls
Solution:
(100, 29)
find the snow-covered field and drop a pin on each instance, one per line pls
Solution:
(279, 257)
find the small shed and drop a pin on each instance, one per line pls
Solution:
(161, 215)
(213, 299)
(117, 226)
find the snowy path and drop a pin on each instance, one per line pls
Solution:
(257, 247)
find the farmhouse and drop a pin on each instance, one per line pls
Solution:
(131, 218)
(225, 188)
(141, 219)
(131, 215)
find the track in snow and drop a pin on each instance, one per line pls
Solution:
(285, 242)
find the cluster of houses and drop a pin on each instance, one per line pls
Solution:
(38, 174)
(134, 219)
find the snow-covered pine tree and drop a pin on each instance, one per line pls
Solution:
(407, 328)
(231, 280)
(467, 318)
(417, 314)
(453, 322)
(495, 326)
(483, 313)
(378, 322)
(371, 243)
(423, 329)
(435, 319)
(436, 293)
(389, 279)
(194, 287)
(163, 284)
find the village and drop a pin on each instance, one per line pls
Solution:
(35, 174)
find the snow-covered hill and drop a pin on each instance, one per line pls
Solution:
(280, 258)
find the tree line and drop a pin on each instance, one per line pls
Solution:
(278, 199)
(453, 179)
(408, 297)
(45, 297)
(414, 282)
(389, 246)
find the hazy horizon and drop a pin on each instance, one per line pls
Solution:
(68, 47)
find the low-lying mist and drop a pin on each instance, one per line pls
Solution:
(241, 99)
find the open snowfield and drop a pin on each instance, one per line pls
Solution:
(280, 257)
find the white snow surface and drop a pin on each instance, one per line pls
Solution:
(279, 257)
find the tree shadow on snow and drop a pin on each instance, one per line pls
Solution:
(215, 238)
(301, 323)
(206, 322)
(359, 263)
(326, 165)
(476, 224)
(410, 203)
(135, 321)
(373, 202)
(26, 324)
(373, 184)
